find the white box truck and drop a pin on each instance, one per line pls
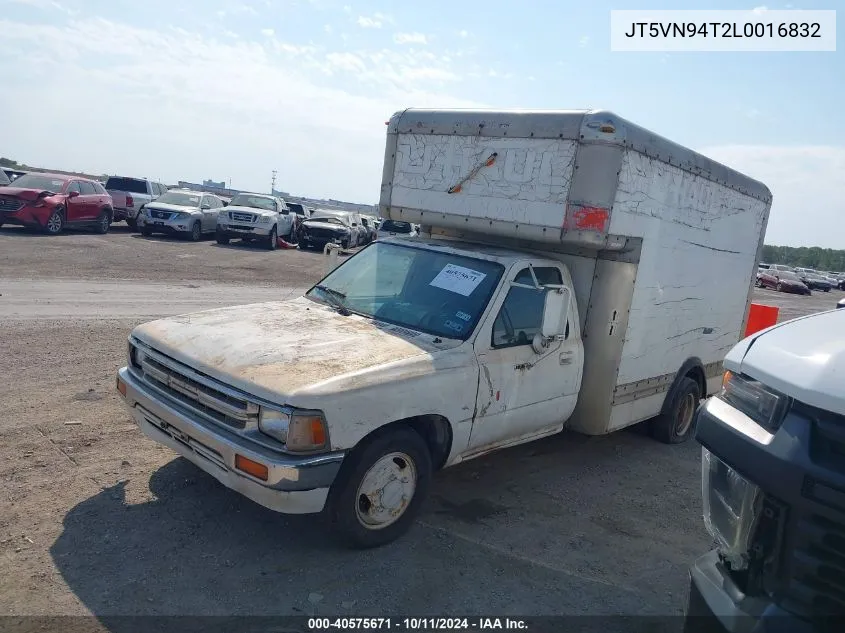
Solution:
(573, 270)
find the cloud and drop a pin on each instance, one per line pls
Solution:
(328, 28)
(807, 188)
(410, 38)
(376, 21)
(334, 102)
(584, 41)
(463, 33)
(759, 10)
(268, 32)
(237, 9)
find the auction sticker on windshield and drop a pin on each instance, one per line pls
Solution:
(458, 279)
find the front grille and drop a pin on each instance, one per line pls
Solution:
(10, 204)
(241, 217)
(827, 441)
(817, 580)
(204, 394)
(161, 215)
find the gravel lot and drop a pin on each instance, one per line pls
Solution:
(96, 519)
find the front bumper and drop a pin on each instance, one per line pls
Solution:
(295, 485)
(717, 605)
(30, 217)
(157, 225)
(245, 230)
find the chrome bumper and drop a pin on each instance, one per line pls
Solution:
(180, 225)
(295, 485)
(259, 230)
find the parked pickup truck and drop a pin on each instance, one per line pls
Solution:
(773, 477)
(558, 282)
(129, 195)
(257, 216)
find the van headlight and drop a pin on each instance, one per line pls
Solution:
(760, 403)
(300, 431)
(732, 505)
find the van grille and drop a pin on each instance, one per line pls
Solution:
(203, 394)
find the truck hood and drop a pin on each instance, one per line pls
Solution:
(802, 359)
(277, 349)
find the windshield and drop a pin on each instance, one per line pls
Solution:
(181, 199)
(438, 293)
(131, 185)
(784, 274)
(395, 227)
(256, 202)
(37, 181)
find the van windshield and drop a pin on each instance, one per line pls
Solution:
(434, 292)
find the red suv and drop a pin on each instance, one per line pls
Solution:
(51, 202)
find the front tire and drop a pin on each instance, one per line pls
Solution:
(380, 488)
(132, 223)
(779, 287)
(677, 425)
(222, 238)
(56, 222)
(195, 234)
(273, 240)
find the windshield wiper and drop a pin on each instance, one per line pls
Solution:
(335, 297)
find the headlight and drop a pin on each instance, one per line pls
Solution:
(300, 431)
(274, 423)
(264, 219)
(766, 407)
(731, 507)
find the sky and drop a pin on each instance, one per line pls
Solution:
(234, 89)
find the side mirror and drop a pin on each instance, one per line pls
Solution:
(73, 194)
(555, 310)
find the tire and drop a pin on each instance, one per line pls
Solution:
(273, 240)
(779, 287)
(758, 283)
(132, 223)
(827, 289)
(146, 232)
(195, 234)
(345, 245)
(222, 238)
(677, 425)
(103, 223)
(56, 222)
(394, 453)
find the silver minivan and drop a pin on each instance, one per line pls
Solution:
(181, 212)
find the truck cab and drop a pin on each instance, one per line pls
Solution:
(773, 477)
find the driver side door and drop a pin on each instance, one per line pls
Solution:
(522, 394)
(75, 211)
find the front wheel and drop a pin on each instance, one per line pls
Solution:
(779, 287)
(195, 234)
(273, 240)
(380, 488)
(222, 238)
(675, 425)
(827, 289)
(132, 223)
(55, 223)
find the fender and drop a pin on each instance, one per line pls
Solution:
(692, 368)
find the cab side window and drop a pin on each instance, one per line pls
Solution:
(87, 188)
(521, 315)
(74, 186)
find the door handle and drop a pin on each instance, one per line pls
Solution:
(566, 358)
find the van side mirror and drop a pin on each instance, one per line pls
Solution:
(555, 311)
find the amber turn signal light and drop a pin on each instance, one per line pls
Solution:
(259, 471)
(121, 387)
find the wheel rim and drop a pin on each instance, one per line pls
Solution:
(195, 231)
(386, 491)
(104, 223)
(686, 413)
(54, 223)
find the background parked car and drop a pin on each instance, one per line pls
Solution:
(395, 227)
(326, 226)
(181, 212)
(782, 281)
(257, 216)
(816, 282)
(129, 195)
(300, 210)
(4, 179)
(51, 202)
(369, 232)
(841, 303)
(12, 174)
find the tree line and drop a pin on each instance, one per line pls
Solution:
(814, 257)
